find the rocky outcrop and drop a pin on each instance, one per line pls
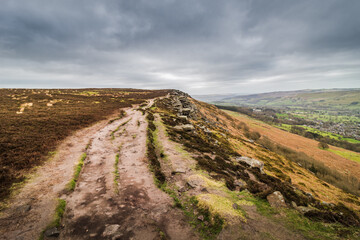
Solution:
(181, 103)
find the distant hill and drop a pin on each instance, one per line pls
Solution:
(324, 98)
(215, 97)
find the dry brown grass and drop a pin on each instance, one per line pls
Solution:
(27, 138)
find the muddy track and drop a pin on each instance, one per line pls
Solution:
(99, 208)
(32, 209)
(133, 209)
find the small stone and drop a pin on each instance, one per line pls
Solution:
(111, 230)
(293, 204)
(201, 218)
(52, 232)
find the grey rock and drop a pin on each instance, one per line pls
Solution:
(193, 183)
(185, 118)
(293, 204)
(254, 163)
(276, 199)
(186, 127)
(304, 209)
(52, 232)
(111, 230)
(201, 218)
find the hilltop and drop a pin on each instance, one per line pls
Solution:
(163, 165)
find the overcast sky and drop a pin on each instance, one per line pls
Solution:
(200, 47)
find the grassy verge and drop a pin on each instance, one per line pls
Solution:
(72, 184)
(116, 173)
(59, 213)
(155, 165)
(211, 225)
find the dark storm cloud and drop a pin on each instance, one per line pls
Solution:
(197, 46)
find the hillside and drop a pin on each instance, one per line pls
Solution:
(171, 167)
(336, 99)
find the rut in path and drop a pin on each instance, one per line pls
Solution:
(32, 209)
(136, 208)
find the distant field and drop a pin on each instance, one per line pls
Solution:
(287, 127)
(342, 160)
(34, 121)
(308, 99)
(346, 154)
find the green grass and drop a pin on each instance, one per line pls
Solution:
(116, 172)
(59, 213)
(78, 167)
(348, 155)
(117, 129)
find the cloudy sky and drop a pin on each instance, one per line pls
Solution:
(203, 46)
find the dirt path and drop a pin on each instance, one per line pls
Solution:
(32, 209)
(98, 208)
(136, 209)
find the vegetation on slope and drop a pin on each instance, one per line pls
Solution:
(33, 122)
(217, 139)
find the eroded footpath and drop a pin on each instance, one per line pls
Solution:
(131, 207)
(115, 196)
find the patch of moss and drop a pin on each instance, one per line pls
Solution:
(59, 213)
(222, 206)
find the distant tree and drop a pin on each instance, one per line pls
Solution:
(323, 145)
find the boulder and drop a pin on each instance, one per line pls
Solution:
(276, 199)
(254, 163)
(186, 127)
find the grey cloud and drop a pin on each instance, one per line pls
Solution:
(198, 46)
